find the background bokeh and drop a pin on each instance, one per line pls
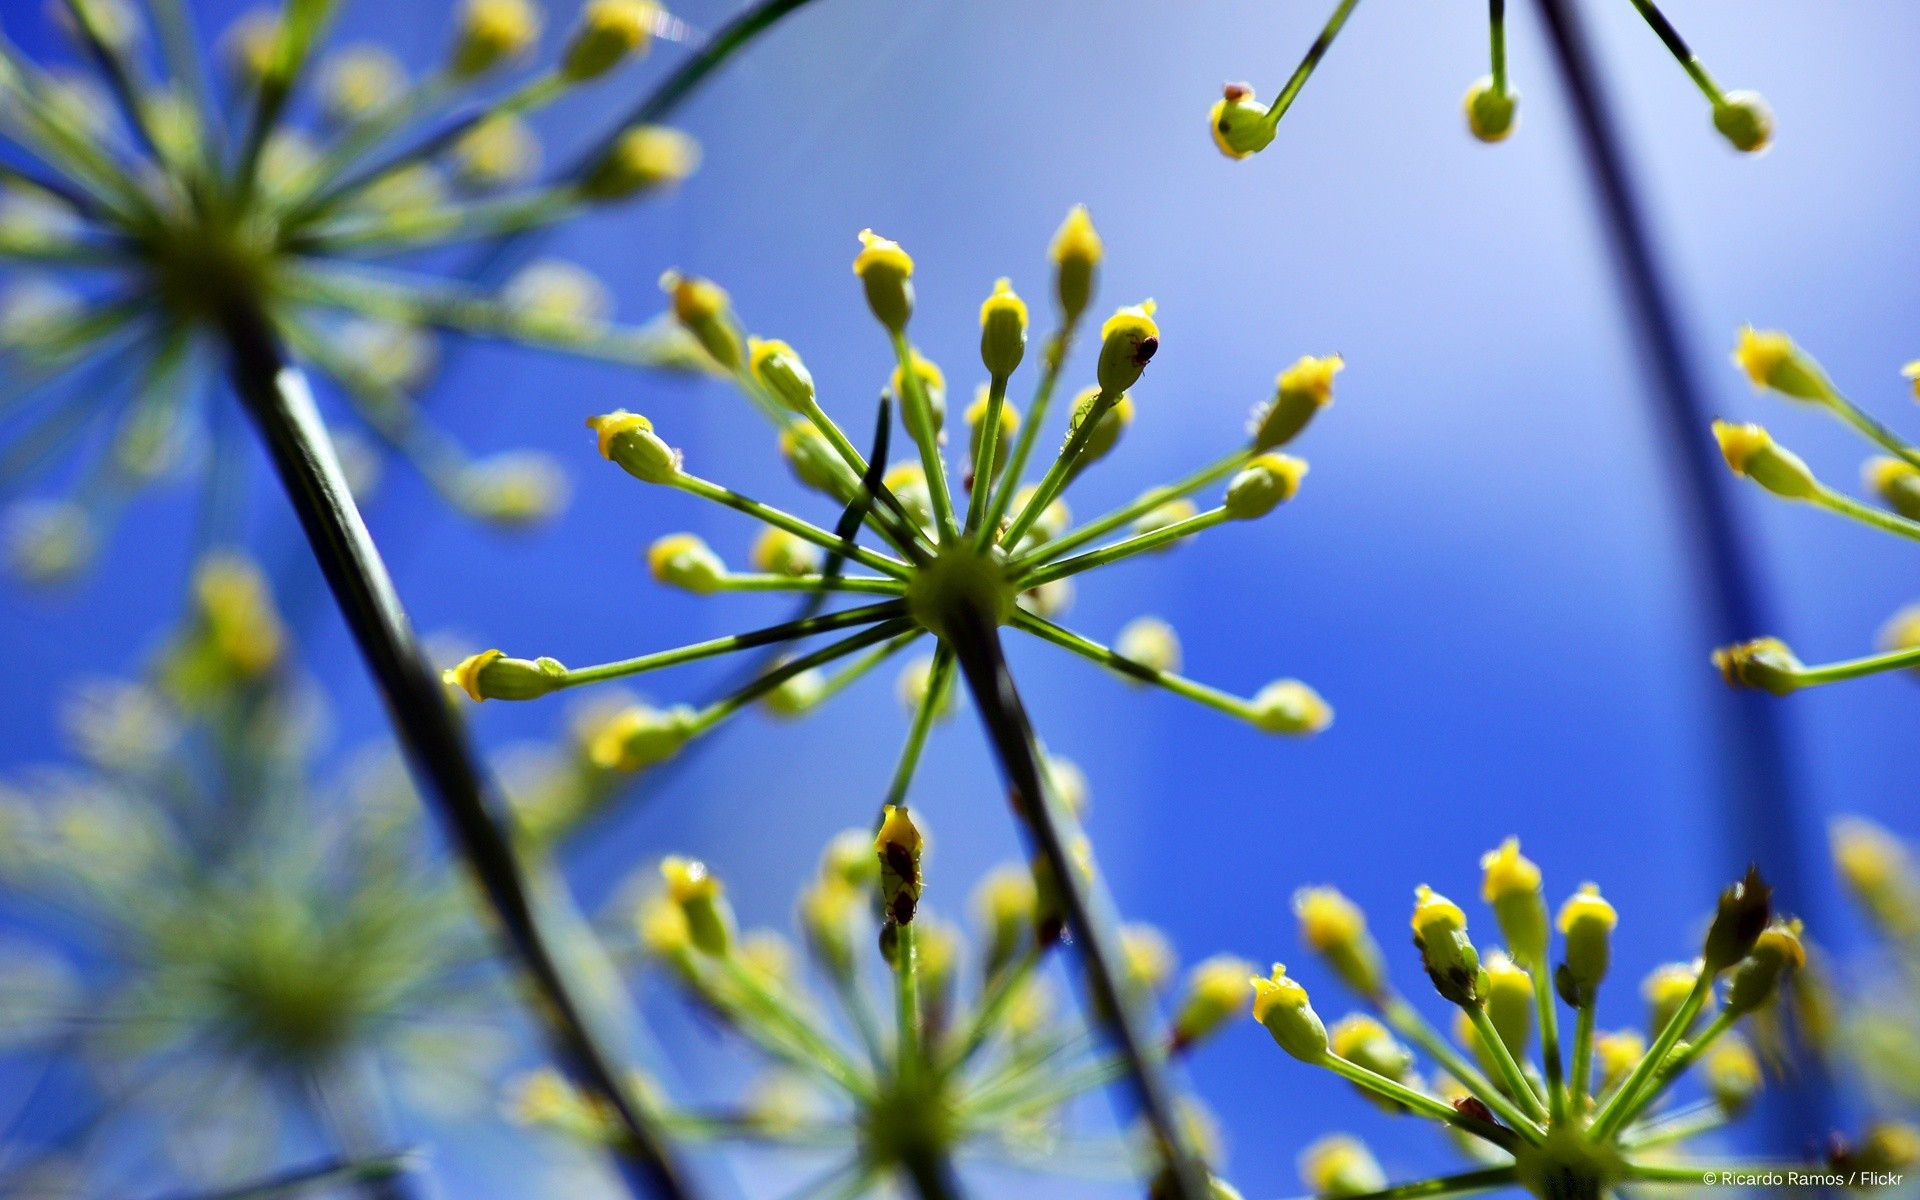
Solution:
(1483, 573)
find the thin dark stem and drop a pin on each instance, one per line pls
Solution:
(933, 1177)
(299, 1181)
(275, 395)
(976, 645)
(1761, 812)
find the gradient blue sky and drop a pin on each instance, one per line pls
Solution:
(1482, 573)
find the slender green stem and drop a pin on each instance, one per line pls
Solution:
(1485, 1179)
(1000, 992)
(860, 1014)
(1677, 45)
(786, 631)
(938, 677)
(1054, 1090)
(844, 678)
(1497, 36)
(1626, 1100)
(792, 524)
(1113, 660)
(442, 225)
(301, 28)
(1689, 1053)
(1582, 1057)
(1315, 53)
(778, 1012)
(1140, 507)
(985, 453)
(1866, 514)
(1688, 1122)
(886, 517)
(1549, 1017)
(119, 74)
(422, 97)
(1056, 358)
(720, 710)
(918, 411)
(906, 977)
(312, 1180)
(1855, 668)
(740, 581)
(1061, 472)
(1419, 1102)
(1139, 543)
(1872, 429)
(1410, 1024)
(1503, 1061)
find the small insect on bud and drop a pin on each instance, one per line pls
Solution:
(1128, 342)
(1238, 122)
(491, 675)
(1333, 927)
(1265, 483)
(1150, 642)
(357, 81)
(1288, 706)
(493, 32)
(1003, 330)
(1281, 1004)
(702, 902)
(1490, 111)
(628, 439)
(1665, 989)
(1510, 884)
(609, 31)
(704, 310)
(1338, 1166)
(498, 152)
(1764, 663)
(1896, 483)
(1216, 991)
(886, 272)
(777, 552)
(1751, 451)
(1440, 934)
(1005, 904)
(682, 560)
(1744, 119)
(1738, 920)
(898, 845)
(640, 736)
(778, 369)
(1775, 362)
(641, 159)
(1586, 924)
(1361, 1040)
(1733, 1075)
(1299, 392)
(1776, 954)
(1076, 254)
(1114, 416)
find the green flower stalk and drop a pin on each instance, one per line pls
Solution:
(152, 213)
(1558, 1128)
(1773, 362)
(236, 946)
(1242, 126)
(902, 1051)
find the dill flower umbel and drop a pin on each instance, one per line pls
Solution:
(1773, 362)
(240, 951)
(1241, 125)
(959, 1053)
(144, 215)
(1549, 1124)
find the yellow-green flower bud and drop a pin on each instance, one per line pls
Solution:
(849, 858)
(1111, 418)
(1911, 373)
(253, 47)
(933, 386)
(886, 272)
(1281, 1004)
(1288, 706)
(1490, 112)
(1003, 330)
(1586, 925)
(609, 31)
(1751, 451)
(1265, 483)
(1879, 873)
(1733, 1075)
(1333, 927)
(914, 680)
(1764, 663)
(1299, 392)
(704, 310)
(1776, 954)
(1773, 362)
(777, 552)
(1617, 1054)
(639, 736)
(1508, 994)
(1896, 482)
(682, 560)
(557, 295)
(1076, 254)
(1738, 920)
(1150, 642)
(812, 458)
(1440, 933)
(778, 368)
(1238, 122)
(1128, 342)
(358, 81)
(1744, 119)
(701, 901)
(1216, 991)
(1049, 600)
(628, 439)
(1067, 782)
(1665, 989)
(1003, 437)
(1147, 959)
(1171, 513)
(797, 695)
(1338, 1166)
(1361, 1040)
(1004, 904)
(908, 483)
(498, 152)
(640, 160)
(492, 32)
(1053, 521)
(513, 489)
(490, 675)
(828, 912)
(898, 845)
(1889, 1148)
(1510, 884)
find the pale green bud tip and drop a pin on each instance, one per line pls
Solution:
(887, 273)
(1076, 253)
(1490, 113)
(629, 440)
(779, 369)
(1773, 361)
(499, 151)
(1337, 1166)
(1128, 342)
(1744, 119)
(699, 896)
(704, 309)
(1299, 392)
(490, 675)
(1150, 642)
(684, 561)
(1763, 663)
(1281, 1004)
(1263, 485)
(1897, 484)
(609, 31)
(358, 80)
(513, 490)
(1751, 451)
(1003, 329)
(492, 32)
(777, 552)
(639, 736)
(1217, 990)
(642, 159)
(1238, 122)
(1289, 706)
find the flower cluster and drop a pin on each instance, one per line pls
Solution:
(1571, 1129)
(154, 212)
(1881, 1024)
(955, 551)
(962, 1052)
(1774, 363)
(1241, 125)
(238, 949)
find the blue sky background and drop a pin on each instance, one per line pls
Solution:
(1482, 574)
